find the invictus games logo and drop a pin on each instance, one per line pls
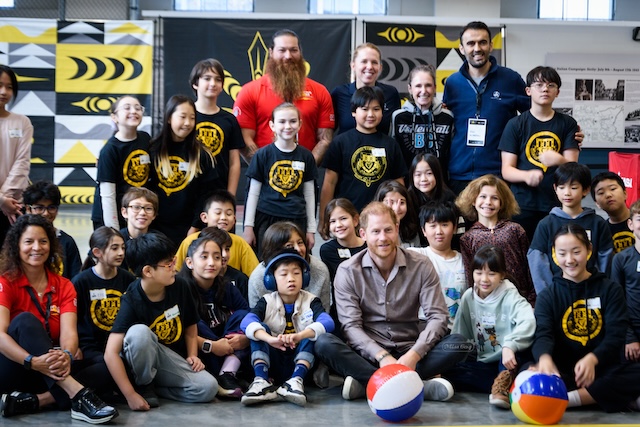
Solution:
(178, 178)
(167, 331)
(211, 136)
(582, 322)
(136, 168)
(104, 311)
(538, 144)
(284, 178)
(367, 166)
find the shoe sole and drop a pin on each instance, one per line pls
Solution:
(298, 399)
(347, 386)
(82, 417)
(232, 394)
(499, 403)
(2, 405)
(252, 400)
(443, 383)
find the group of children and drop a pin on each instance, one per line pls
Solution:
(196, 333)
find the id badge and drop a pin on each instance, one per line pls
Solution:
(476, 132)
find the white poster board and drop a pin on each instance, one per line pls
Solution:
(602, 92)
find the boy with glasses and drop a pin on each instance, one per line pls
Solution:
(155, 332)
(139, 209)
(43, 198)
(533, 145)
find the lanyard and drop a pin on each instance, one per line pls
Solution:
(44, 314)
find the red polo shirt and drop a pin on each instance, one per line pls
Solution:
(15, 297)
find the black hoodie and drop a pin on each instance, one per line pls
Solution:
(565, 332)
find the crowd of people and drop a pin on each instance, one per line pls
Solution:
(457, 245)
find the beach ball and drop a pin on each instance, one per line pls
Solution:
(395, 392)
(538, 398)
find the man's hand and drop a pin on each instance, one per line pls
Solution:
(410, 359)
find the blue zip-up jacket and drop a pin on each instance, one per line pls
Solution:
(503, 97)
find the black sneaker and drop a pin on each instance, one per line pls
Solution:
(87, 406)
(18, 403)
(148, 393)
(229, 386)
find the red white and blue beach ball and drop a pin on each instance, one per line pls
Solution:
(395, 393)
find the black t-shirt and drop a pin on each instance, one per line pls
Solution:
(180, 200)
(98, 305)
(527, 137)
(282, 176)
(363, 162)
(126, 164)
(220, 133)
(333, 253)
(167, 318)
(238, 279)
(71, 262)
(622, 236)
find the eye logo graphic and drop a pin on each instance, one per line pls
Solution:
(398, 35)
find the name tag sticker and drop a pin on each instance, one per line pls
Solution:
(172, 313)
(15, 133)
(297, 166)
(183, 166)
(638, 267)
(97, 294)
(593, 303)
(145, 159)
(379, 152)
(476, 132)
(344, 253)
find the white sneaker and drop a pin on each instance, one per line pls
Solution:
(259, 391)
(292, 391)
(437, 389)
(352, 389)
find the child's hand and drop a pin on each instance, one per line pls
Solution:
(546, 366)
(238, 341)
(275, 343)
(534, 177)
(249, 236)
(196, 363)
(585, 370)
(311, 240)
(289, 340)
(137, 403)
(509, 358)
(632, 351)
(221, 347)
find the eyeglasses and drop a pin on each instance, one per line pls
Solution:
(138, 208)
(39, 209)
(542, 85)
(128, 107)
(171, 265)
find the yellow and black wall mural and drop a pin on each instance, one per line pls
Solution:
(69, 74)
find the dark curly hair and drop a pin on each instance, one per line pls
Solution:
(10, 262)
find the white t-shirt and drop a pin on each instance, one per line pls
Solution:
(452, 279)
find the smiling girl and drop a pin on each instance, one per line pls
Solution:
(489, 202)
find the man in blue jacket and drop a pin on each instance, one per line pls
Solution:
(483, 96)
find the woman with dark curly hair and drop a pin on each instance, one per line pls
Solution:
(38, 334)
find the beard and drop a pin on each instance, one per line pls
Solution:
(287, 78)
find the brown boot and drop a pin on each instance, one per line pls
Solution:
(500, 390)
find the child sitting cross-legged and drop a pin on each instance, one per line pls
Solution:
(283, 327)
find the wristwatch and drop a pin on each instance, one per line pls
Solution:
(27, 362)
(206, 346)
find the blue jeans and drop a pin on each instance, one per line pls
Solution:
(281, 363)
(173, 377)
(345, 361)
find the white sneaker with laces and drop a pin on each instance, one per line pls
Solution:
(292, 391)
(259, 391)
